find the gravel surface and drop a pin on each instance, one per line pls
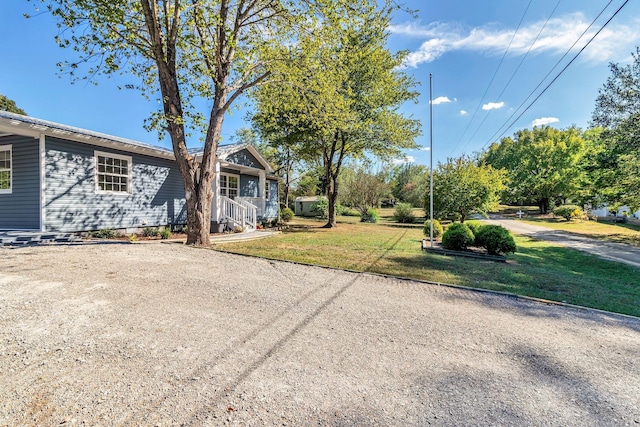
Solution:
(157, 334)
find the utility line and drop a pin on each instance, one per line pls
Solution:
(513, 74)
(492, 78)
(498, 132)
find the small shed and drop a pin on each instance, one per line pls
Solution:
(303, 206)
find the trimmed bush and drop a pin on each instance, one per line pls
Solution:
(150, 232)
(457, 237)
(371, 216)
(165, 233)
(568, 212)
(404, 213)
(495, 239)
(437, 228)
(105, 233)
(286, 214)
(474, 225)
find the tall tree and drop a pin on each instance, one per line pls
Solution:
(619, 97)
(340, 98)
(542, 164)
(7, 104)
(462, 186)
(409, 183)
(363, 189)
(185, 50)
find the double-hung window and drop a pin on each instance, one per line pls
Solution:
(113, 173)
(229, 185)
(5, 169)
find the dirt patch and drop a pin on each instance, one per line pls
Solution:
(170, 335)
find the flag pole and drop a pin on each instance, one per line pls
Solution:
(431, 157)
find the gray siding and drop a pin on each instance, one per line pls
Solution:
(249, 186)
(21, 209)
(244, 158)
(272, 207)
(72, 203)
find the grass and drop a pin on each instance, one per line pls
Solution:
(609, 231)
(538, 269)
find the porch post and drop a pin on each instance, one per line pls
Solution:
(43, 185)
(215, 204)
(263, 193)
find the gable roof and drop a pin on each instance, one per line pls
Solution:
(11, 123)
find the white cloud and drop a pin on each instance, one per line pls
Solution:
(424, 148)
(441, 100)
(544, 121)
(556, 37)
(405, 159)
(463, 113)
(493, 105)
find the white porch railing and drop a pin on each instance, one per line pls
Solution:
(240, 213)
(258, 202)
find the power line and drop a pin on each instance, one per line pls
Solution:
(514, 73)
(492, 78)
(500, 134)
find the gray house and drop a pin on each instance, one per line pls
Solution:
(64, 179)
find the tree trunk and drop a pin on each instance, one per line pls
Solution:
(332, 197)
(543, 205)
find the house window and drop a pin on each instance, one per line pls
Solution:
(229, 185)
(267, 187)
(113, 173)
(5, 169)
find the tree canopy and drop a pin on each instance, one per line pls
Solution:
(542, 164)
(619, 97)
(338, 96)
(184, 50)
(462, 186)
(7, 104)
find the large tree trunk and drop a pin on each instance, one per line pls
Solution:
(543, 205)
(332, 197)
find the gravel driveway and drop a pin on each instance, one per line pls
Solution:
(156, 334)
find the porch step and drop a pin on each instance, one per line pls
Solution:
(35, 238)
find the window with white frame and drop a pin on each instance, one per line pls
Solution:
(113, 173)
(5, 169)
(229, 185)
(267, 189)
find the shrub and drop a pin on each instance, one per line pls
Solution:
(473, 225)
(321, 208)
(150, 232)
(404, 213)
(165, 233)
(133, 237)
(568, 212)
(371, 216)
(457, 237)
(495, 239)
(286, 214)
(346, 211)
(105, 233)
(437, 228)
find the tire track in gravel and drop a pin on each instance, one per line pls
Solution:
(271, 335)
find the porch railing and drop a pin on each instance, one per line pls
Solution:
(240, 213)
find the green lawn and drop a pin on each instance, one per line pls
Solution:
(538, 269)
(623, 233)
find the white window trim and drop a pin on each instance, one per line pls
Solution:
(9, 148)
(227, 186)
(129, 160)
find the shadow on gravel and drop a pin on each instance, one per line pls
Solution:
(577, 391)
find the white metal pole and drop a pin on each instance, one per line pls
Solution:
(431, 156)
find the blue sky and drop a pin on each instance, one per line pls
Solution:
(461, 42)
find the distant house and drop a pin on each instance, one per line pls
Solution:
(55, 177)
(304, 205)
(603, 211)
